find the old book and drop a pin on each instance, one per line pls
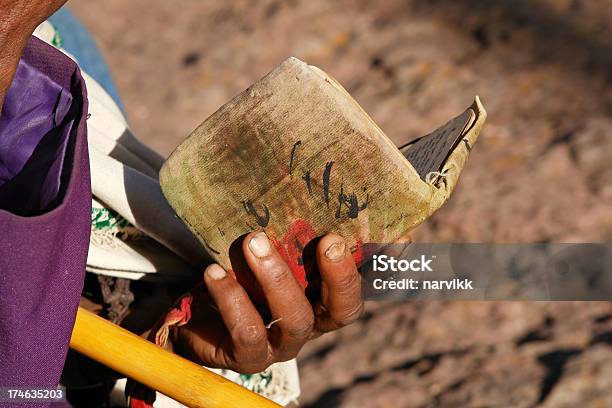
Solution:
(296, 156)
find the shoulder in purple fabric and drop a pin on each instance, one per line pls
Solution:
(45, 210)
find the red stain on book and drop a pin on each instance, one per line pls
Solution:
(291, 248)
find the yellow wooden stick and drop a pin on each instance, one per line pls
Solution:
(143, 361)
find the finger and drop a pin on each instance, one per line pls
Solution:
(396, 248)
(341, 302)
(246, 328)
(290, 309)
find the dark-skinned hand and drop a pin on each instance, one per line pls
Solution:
(226, 329)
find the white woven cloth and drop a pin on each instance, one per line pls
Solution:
(135, 233)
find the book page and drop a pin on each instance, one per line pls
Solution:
(428, 153)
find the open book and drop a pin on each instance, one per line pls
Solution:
(296, 156)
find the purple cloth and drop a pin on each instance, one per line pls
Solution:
(36, 120)
(44, 215)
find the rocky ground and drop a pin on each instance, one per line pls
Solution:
(540, 172)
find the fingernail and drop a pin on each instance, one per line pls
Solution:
(335, 251)
(215, 272)
(259, 245)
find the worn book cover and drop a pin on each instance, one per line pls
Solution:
(296, 156)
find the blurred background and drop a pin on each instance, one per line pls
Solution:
(541, 172)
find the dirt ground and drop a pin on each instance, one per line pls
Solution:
(541, 171)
